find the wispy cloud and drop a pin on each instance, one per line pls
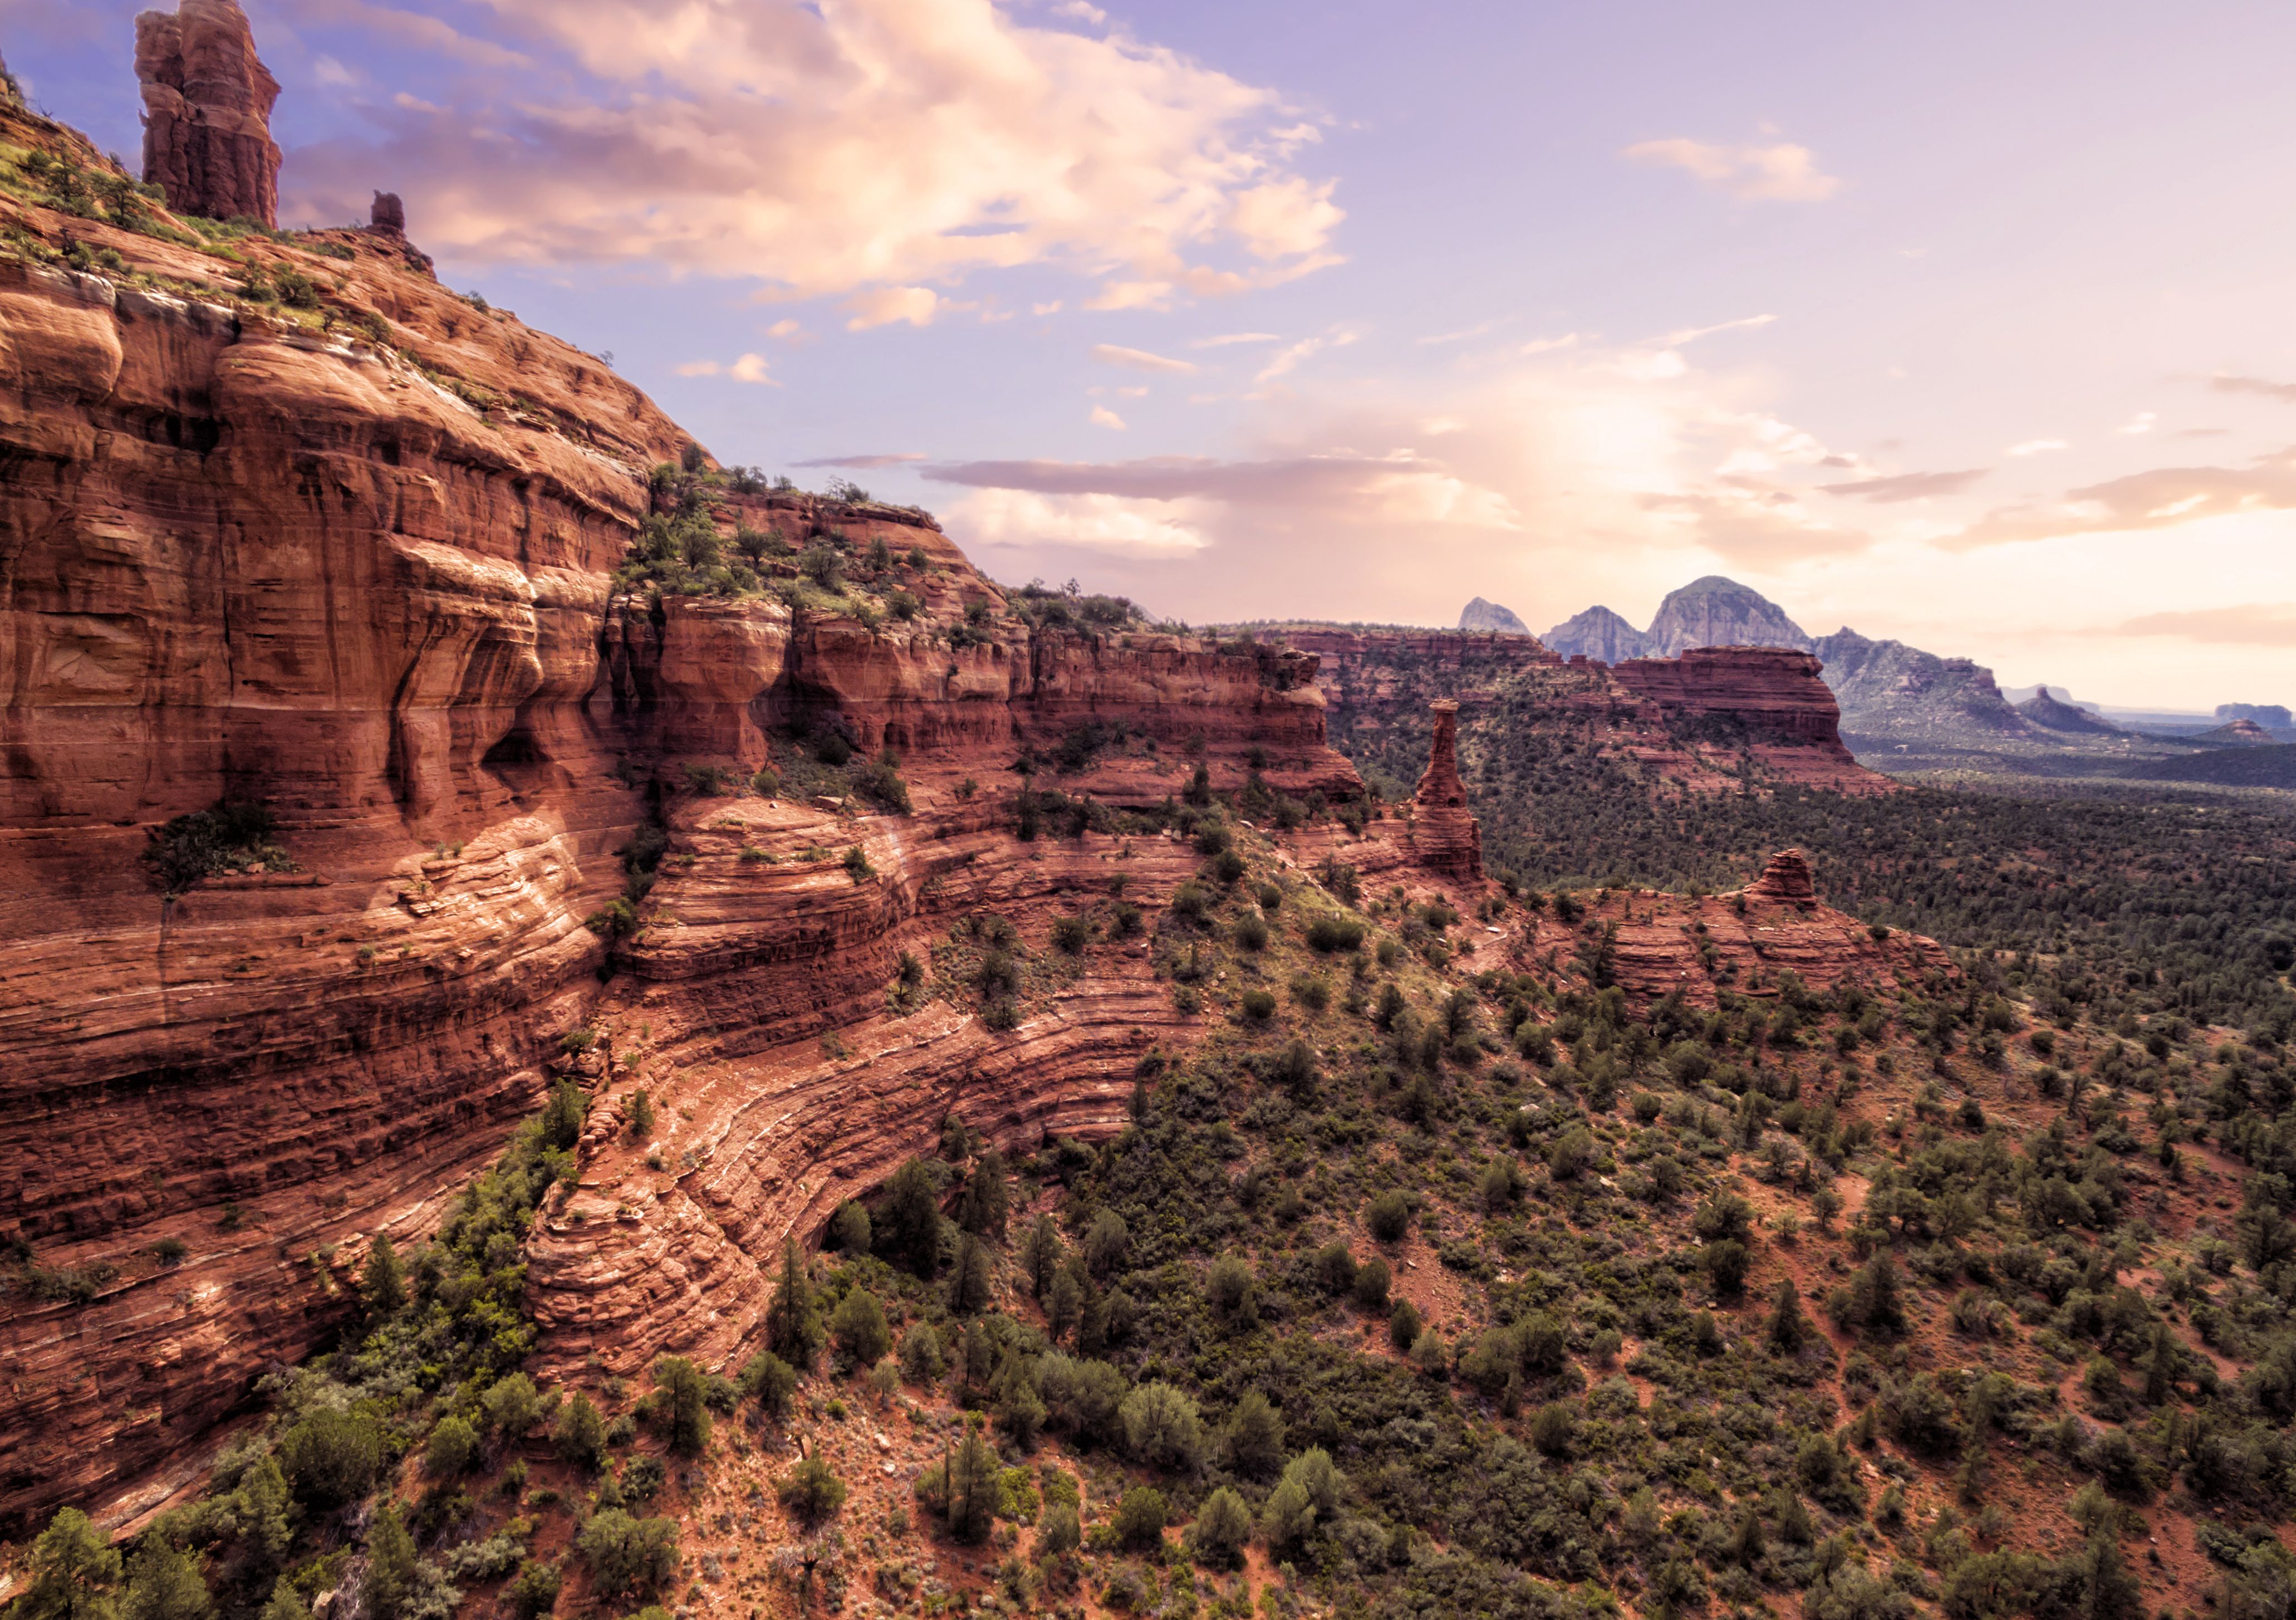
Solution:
(1908, 486)
(1102, 417)
(2160, 498)
(887, 459)
(2264, 624)
(1139, 359)
(1225, 339)
(2036, 447)
(1691, 334)
(2225, 382)
(1782, 172)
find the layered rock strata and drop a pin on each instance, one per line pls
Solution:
(207, 112)
(1443, 832)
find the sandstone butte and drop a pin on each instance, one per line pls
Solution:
(357, 563)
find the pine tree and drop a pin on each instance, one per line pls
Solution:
(792, 1318)
(384, 1285)
(982, 1208)
(972, 1488)
(389, 1564)
(1788, 1329)
(970, 1285)
(1040, 1254)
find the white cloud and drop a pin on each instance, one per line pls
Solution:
(1139, 359)
(1227, 337)
(2141, 422)
(2036, 447)
(826, 148)
(748, 368)
(1102, 417)
(1109, 524)
(883, 306)
(783, 328)
(1779, 173)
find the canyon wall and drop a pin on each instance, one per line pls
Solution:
(354, 560)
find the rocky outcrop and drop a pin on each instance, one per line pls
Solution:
(1443, 831)
(388, 216)
(1713, 612)
(2046, 711)
(1890, 691)
(1765, 693)
(1598, 634)
(207, 112)
(1488, 618)
(1784, 881)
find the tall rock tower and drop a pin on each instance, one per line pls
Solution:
(1442, 832)
(207, 112)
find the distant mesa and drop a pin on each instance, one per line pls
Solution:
(2272, 717)
(2239, 734)
(2051, 715)
(207, 112)
(1489, 618)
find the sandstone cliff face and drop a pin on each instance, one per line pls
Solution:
(357, 563)
(1766, 692)
(207, 112)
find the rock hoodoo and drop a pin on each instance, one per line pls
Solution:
(389, 215)
(1786, 881)
(1442, 831)
(207, 112)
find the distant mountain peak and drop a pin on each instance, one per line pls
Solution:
(1487, 618)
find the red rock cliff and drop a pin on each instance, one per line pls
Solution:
(358, 563)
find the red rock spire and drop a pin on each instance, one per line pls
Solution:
(207, 112)
(1442, 832)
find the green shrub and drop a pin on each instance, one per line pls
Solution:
(1141, 1517)
(1388, 1216)
(580, 1437)
(330, 1457)
(1222, 1527)
(858, 1326)
(811, 1491)
(453, 1448)
(1330, 934)
(1258, 1005)
(627, 1556)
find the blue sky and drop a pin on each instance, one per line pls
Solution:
(1961, 323)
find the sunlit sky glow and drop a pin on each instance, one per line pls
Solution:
(1963, 324)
